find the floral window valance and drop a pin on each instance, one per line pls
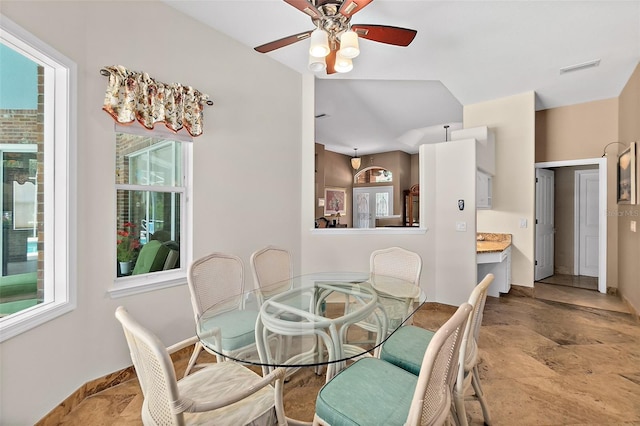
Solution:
(133, 95)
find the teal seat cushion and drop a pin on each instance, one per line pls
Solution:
(370, 392)
(406, 347)
(151, 258)
(238, 328)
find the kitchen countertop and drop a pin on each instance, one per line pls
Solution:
(492, 243)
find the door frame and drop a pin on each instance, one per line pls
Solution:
(602, 207)
(576, 218)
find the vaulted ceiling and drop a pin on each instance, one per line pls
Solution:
(464, 52)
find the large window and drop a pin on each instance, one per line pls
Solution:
(37, 145)
(151, 191)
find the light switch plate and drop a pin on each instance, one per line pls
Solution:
(461, 226)
(523, 222)
(633, 226)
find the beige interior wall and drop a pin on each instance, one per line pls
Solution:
(513, 121)
(319, 180)
(339, 174)
(564, 221)
(246, 192)
(578, 132)
(629, 242)
(415, 170)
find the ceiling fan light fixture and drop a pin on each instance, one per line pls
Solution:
(319, 43)
(343, 64)
(349, 44)
(317, 64)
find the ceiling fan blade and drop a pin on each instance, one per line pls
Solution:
(331, 61)
(349, 7)
(306, 7)
(277, 44)
(385, 34)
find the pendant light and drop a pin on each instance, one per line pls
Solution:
(355, 160)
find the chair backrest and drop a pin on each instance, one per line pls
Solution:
(271, 265)
(215, 278)
(432, 398)
(155, 372)
(469, 349)
(478, 299)
(396, 262)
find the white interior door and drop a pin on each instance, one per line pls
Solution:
(545, 230)
(371, 203)
(361, 211)
(587, 222)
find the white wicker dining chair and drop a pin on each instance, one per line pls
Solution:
(220, 394)
(398, 263)
(405, 348)
(374, 392)
(271, 267)
(214, 279)
(468, 374)
(394, 262)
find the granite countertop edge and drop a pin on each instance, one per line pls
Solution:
(492, 242)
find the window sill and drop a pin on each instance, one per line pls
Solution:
(128, 286)
(400, 230)
(27, 319)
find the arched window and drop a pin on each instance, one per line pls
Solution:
(373, 174)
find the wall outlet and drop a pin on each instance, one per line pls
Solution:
(633, 226)
(461, 226)
(523, 222)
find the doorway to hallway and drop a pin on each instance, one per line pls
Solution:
(570, 246)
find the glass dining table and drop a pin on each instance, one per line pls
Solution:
(313, 320)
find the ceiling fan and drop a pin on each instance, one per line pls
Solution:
(334, 42)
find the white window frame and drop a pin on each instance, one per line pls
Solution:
(126, 286)
(60, 113)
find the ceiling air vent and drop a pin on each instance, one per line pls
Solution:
(578, 67)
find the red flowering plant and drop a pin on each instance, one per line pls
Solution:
(127, 244)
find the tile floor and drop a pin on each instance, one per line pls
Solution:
(578, 281)
(564, 357)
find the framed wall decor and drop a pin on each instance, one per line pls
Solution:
(627, 176)
(335, 201)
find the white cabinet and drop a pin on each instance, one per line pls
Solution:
(498, 264)
(485, 146)
(483, 190)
